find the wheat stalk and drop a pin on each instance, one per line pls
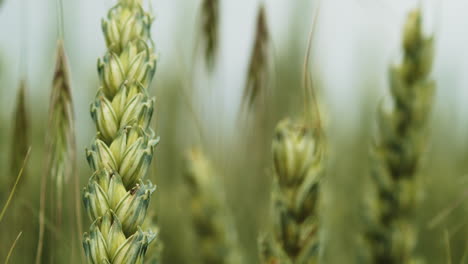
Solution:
(10, 252)
(257, 74)
(397, 154)
(210, 30)
(212, 227)
(13, 189)
(116, 197)
(298, 157)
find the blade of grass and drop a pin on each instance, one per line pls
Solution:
(5, 207)
(439, 218)
(447, 246)
(12, 247)
(465, 254)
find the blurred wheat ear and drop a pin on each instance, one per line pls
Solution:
(400, 145)
(299, 162)
(61, 134)
(20, 134)
(257, 75)
(213, 228)
(60, 148)
(210, 30)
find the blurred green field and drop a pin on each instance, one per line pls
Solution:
(193, 111)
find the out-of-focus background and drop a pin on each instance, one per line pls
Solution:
(355, 43)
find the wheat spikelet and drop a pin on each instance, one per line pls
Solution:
(399, 148)
(116, 197)
(298, 156)
(210, 30)
(211, 225)
(257, 74)
(155, 249)
(20, 134)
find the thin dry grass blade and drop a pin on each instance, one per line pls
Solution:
(5, 207)
(13, 247)
(210, 30)
(447, 246)
(440, 217)
(20, 133)
(257, 75)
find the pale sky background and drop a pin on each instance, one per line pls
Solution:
(356, 39)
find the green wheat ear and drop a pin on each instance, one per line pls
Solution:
(213, 229)
(61, 160)
(298, 157)
(257, 75)
(210, 30)
(116, 198)
(20, 134)
(399, 148)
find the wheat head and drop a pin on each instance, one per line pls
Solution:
(399, 148)
(298, 158)
(209, 29)
(116, 198)
(257, 75)
(20, 134)
(211, 225)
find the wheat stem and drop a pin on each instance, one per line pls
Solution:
(13, 189)
(10, 252)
